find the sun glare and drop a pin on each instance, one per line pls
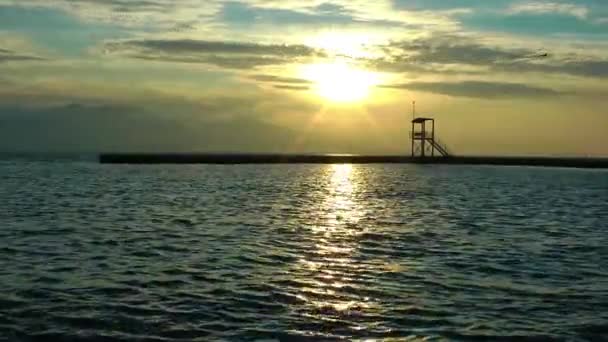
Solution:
(340, 82)
(350, 45)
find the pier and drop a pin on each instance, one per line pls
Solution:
(189, 158)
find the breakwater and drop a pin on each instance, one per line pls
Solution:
(193, 158)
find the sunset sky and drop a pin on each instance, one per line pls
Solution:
(303, 75)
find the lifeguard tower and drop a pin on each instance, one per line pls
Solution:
(424, 142)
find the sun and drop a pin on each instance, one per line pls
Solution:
(339, 81)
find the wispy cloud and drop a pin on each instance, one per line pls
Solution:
(602, 21)
(461, 54)
(238, 55)
(13, 56)
(290, 87)
(545, 7)
(478, 89)
(283, 83)
(279, 79)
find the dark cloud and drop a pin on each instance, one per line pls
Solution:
(290, 87)
(478, 89)
(576, 67)
(128, 5)
(228, 62)
(12, 56)
(84, 127)
(449, 53)
(237, 55)
(445, 54)
(279, 79)
(283, 83)
(89, 120)
(93, 128)
(438, 5)
(404, 66)
(454, 50)
(203, 46)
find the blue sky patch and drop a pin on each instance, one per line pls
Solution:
(55, 30)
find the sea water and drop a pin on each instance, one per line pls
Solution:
(300, 252)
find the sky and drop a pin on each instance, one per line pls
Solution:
(501, 77)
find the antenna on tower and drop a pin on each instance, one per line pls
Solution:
(413, 110)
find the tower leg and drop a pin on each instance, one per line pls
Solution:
(433, 140)
(413, 136)
(422, 150)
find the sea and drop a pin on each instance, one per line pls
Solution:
(92, 252)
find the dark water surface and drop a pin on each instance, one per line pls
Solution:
(301, 252)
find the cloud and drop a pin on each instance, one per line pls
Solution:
(445, 54)
(478, 89)
(454, 50)
(236, 55)
(75, 115)
(279, 79)
(91, 128)
(231, 16)
(12, 56)
(443, 5)
(227, 62)
(580, 66)
(541, 8)
(574, 8)
(163, 13)
(455, 54)
(283, 83)
(290, 87)
(324, 14)
(542, 19)
(203, 46)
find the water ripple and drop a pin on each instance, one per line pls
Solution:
(301, 253)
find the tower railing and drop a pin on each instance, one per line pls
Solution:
(427, 135)
(441, 147)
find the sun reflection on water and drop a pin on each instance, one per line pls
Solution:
(341, 207)
(333, 291)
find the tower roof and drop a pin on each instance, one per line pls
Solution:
(421, 120)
